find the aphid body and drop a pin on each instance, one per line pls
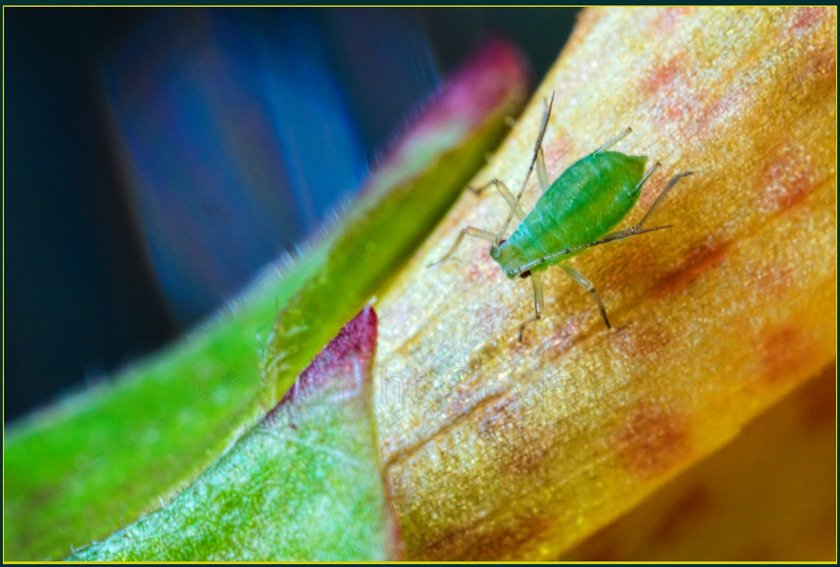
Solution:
(582, 205)
(575, 212)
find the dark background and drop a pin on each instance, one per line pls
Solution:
(98, 104)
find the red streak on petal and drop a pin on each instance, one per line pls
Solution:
(786, 181)
(806, 18)
(771, 279)
(668, 18)
(702, 258)
(560, 146)
(785, 350)
(641, 340)
(662, 75)
(651, 441)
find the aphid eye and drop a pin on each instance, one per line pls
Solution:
(502, 241)
(525, 274)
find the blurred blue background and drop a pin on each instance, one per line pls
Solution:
(156, 159)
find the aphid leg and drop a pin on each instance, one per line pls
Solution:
(661, 196)
(650, 172)
(613, 141)
(619, 235)
(638, 228)
(581, 279)
(538, 303)
(505, 192)
(468, 231)
(542, 174)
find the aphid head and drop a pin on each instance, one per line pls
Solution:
(496, 248)
(509, 259)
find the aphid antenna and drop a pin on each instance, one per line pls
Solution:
(537, 147)
(627, 131)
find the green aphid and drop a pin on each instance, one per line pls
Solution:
(574, 213)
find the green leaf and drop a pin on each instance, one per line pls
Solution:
(302, 484)
(86, 466)
(98, 460)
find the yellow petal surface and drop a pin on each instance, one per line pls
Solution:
(497, 448)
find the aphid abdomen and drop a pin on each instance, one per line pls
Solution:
(583, 204)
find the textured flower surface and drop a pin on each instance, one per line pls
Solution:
(497, 448)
